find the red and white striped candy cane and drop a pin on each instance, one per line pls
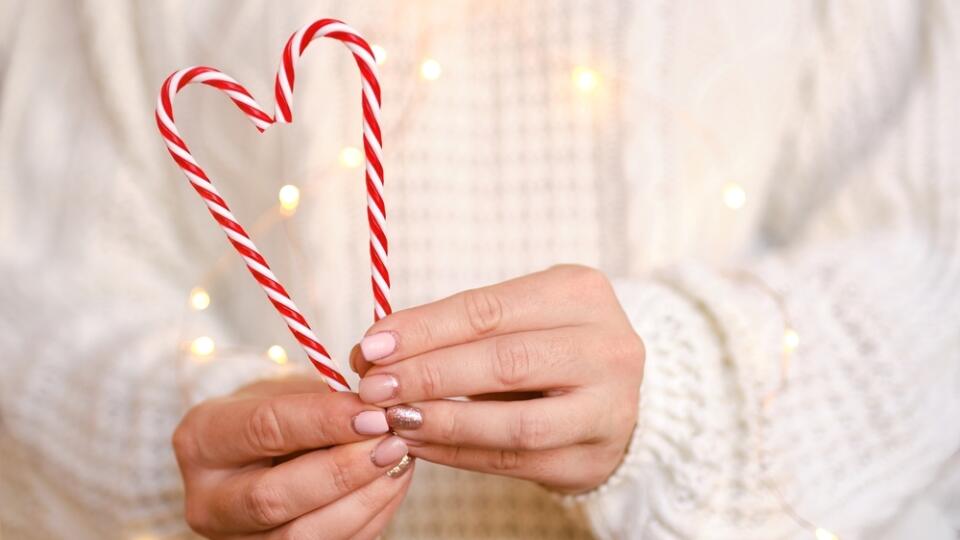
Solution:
(238, 237)
(372, 141)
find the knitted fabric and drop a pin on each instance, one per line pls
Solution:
(833, 123)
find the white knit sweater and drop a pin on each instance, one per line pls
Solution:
(837, 120)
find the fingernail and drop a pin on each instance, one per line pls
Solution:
(390, 450)
(377, 388)
(401, 467)
(377, 346)
(354, 353)
(404, 417)
(371, 423)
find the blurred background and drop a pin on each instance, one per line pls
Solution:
(811, 143)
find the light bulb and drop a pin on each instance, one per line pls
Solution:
(289, 196)
(823, 534)
(351, 157)
(430, 69)
(199, 298)
(278, 354)
(379, 54)
(734, 196)
(791, 340)
(585, 79)
(202, 346)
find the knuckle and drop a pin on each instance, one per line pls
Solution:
(456, 455)
(431, 379)
(341, 476)
(196, 516)
(328, 413)
(595, 473)
(637, 358)
(582, 274)
(264, 431)
(628, 349)
(585, 281)
(618, 425)
(184, 441)
(512, 361)
(484, 310)
(632, 346)
(265, 504)
(422, 328)
(505, 460)
(528, 432)
(451, 427)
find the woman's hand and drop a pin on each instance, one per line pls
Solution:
(559, 333)
(289, 459)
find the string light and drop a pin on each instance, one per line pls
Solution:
(199, 298)
(430, 69)
(585, 79)
(791, 340)
(351, 157)
(823, 534)
(278, 354)
(202, 346)
(734, 196)
(379, 54)
(289, 196)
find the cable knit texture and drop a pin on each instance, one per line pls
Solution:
(838, 120)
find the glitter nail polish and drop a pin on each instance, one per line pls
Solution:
(404, 417)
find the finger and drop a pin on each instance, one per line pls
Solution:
(560, 296)
(375, 527)
(345, 517)
(358, 364)
(269, 497)
(537, 360)
(570, 469)
(537, 424)
(244, 430)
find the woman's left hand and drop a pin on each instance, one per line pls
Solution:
(549, 360)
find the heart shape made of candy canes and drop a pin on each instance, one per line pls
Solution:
(283, 90)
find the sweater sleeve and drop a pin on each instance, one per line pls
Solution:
(817, 380)
(93, 280)
(729, 435)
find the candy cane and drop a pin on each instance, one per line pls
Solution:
(238, 237)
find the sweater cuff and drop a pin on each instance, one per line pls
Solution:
(692, 421)
(676, 337)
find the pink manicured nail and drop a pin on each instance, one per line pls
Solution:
(378, 388)
(389, 451)
(371, 423)
(377, 346)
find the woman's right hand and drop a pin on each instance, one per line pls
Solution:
(289, 459)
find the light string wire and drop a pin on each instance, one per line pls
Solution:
(790, 345)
